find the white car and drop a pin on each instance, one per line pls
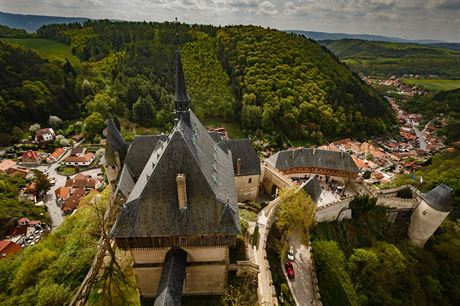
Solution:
(290, 254)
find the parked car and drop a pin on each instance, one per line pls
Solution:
(290, 254)
(52, 181)
(290, 270)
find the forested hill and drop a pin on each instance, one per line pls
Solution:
(290, 84)
(384, 58)
(265, 80)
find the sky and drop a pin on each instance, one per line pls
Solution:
(409, 19)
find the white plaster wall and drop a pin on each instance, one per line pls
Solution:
(247, 191)
(422, 226)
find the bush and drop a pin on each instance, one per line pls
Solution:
(405, 193)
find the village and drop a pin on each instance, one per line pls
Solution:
(72, 170)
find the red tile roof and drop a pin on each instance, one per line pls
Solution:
(81, 180)
(30, 156)
(8, 248)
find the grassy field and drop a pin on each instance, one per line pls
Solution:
(432, 84)
(48, 48)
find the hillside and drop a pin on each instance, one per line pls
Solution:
(32, 88)
(386, 58)
(31, 23)
(289, 84)
(338, 36)
(323, 87)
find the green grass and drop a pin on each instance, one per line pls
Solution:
(434, 84)
(233, 129)
(51, 49)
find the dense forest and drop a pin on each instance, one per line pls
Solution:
(368, 261)
(32, 88)
(265, 80)
(289, 84)
(378, 58)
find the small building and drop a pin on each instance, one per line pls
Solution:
(84, 181)
(19, 171)
(433, 207)
(44, 136)
(72, 202)
(8, 248)
(80, 160)
(6, 164)
(246, 167)
(62, 194)
(56, 155)
(31, 158)
(78, 151)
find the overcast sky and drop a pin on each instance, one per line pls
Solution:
(411, 19)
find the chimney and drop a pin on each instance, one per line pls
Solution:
(238, 166)
(181, 190)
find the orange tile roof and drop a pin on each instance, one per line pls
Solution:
(6, 164)
(57, 153)
(80, 159)
(62, 192)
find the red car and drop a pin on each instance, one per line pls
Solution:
(290, 270)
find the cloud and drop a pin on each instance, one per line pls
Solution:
(405, 18)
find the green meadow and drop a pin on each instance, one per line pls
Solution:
(51, 49)
(434, 84)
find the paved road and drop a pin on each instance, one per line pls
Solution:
(302, 286)
(421, 138)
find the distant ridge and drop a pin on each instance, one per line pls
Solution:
(338, 36)
(31, 23)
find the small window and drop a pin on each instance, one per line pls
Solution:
(250, 180)
(424, 212)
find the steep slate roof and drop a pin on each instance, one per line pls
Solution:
(243, 149)
(439, 198)
(316, 158)
(115, 142)
(139, 152)
(152, 208)
(312, 188)
(215, 136)
(172, 278)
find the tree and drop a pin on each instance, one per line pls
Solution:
(94, 124)
(361, 205)
(42, 183)
(405, 193)
(55, 121)
(34, 127)
(143, 111)
(295, 213)
(102, 103)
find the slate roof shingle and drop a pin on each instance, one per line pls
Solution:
(242, 149)
(439, 198)
(313, 158)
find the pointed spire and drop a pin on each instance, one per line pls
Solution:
(181, 98)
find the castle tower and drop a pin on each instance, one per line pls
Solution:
(433, 208)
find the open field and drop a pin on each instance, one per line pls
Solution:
(432, 84)
(48, 48)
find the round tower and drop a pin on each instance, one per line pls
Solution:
(433, 208)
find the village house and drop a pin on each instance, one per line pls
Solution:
(6, 164)
(8, 248)
(84, 181)
(71, 203)
(19, 171)
(31, 158)
(56, 155)
(62, 194)
(44, 136)
(79, 160)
